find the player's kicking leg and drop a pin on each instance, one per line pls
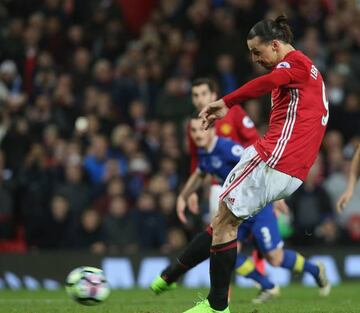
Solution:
(200, 247)
(159, 285)
(222, 261)
(197, 251)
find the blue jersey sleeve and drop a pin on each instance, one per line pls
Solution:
(201, 161)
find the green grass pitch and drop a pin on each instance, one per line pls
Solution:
(294, 299)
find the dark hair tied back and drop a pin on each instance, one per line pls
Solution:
(283, 23)
(268, 30)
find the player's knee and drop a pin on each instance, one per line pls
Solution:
(224, 224)
(275, 258)
(274, 261)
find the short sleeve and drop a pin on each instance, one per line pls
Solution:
(297, 72)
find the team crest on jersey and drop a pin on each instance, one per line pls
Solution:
(216, 162)
(237, 150)
(247, 122)
(283, 65)
(225, 129)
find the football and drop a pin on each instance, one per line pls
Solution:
(87, 285)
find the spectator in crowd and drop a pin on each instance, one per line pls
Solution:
(335, 185)
(119, 226)
(312, 210)
(37, 181)
(56, 225)
(18, 131)
(6, 200)
(150, 223)
(167, 205)
(352, 181)
(114, 187)
(74, 189)
(99, 165)
(10, 80)
(226, 72)
(137, 117)
(89, 233)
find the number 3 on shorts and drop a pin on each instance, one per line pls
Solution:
(266, 235)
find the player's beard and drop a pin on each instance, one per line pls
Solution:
(265, 65)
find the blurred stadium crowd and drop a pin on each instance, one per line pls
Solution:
(92, 117)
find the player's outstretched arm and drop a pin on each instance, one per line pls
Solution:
(191, 185)
(252, 89)
(353, 177)
(262, 85)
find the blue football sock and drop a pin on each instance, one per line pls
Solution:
(297, 263)
(311, 268)
(289, 259)
(245, 267)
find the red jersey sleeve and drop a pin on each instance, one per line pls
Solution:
(297, 72)
(286, 72)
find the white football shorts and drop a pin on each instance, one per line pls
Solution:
(252, 184)
(214, 198)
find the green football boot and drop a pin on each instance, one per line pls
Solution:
(204, 307)
(159, 285)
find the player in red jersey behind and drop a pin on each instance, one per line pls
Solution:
(277, 164)
(236, 124)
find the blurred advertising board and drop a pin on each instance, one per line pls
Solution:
(49, 269)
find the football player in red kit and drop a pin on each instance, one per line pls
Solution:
(276, 165)
(235, 125)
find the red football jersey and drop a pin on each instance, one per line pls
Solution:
(244, 132)
(299, 113)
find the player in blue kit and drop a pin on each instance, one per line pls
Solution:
(218, 156)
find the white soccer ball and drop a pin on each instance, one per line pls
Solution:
(87, 285)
